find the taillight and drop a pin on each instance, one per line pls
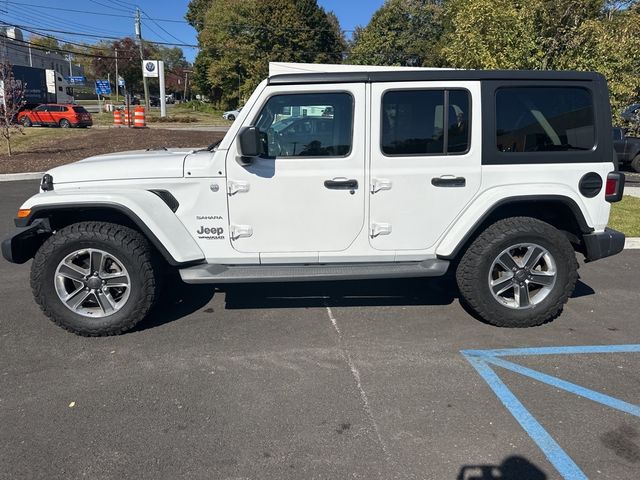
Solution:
(615, 187)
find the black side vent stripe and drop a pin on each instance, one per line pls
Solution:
(167, 198)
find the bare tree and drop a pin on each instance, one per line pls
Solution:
(11, 100)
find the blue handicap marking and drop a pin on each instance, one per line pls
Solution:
(484, 360)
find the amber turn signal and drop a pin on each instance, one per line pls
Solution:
(24, 213)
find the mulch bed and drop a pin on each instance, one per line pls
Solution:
(52, 152)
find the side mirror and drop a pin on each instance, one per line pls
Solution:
(250, 145)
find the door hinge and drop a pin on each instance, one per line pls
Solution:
(380, 229)
(241, 231)
(379, 184)
(234, 187)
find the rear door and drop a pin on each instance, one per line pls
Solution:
(58, 112)
(425, 160)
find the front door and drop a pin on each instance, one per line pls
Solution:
(307, 193)
(425, 160)
(41, 115)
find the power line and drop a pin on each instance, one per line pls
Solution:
(161, 27)
(104, 37)
(70, 10)
(110, 7)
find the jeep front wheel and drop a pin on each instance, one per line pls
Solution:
(518, 273)
(95, 278)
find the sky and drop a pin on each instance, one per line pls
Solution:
(43, 14)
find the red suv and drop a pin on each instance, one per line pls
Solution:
(64, 116)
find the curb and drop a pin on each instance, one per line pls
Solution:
(632, 243)
(14, 177)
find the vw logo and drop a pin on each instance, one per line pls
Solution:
(150, 66)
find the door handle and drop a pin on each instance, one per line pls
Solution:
(340, 184)
(449, 181)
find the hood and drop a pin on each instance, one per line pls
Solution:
(138, 164)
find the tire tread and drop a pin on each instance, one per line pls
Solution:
(126, 238)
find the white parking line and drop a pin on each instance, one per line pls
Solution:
(356, 376)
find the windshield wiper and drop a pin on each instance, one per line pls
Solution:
(209, 148)
(214, 145)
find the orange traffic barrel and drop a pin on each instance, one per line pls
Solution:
(139, 118)
(127, 118)
(117, 117)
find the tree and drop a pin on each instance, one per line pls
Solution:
(401, 32)
(11, 100)
(593, 35)
(196, 12)
(129, 63)
(237, 43)
(45, 42)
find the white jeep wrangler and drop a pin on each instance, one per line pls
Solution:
(351, 174)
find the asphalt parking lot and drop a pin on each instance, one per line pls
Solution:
(323, 381)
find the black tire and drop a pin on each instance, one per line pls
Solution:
(127, 245)
(26, 122)
(231, 117)
(474, 269)
(635, 163)
(64, 123)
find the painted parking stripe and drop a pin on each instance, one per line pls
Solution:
(554, 453)
(568, 386)
(483, 360)
(570, 350)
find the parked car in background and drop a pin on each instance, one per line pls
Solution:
(631, 113)
(154, 101)
(627, 148)
(170, 99)
(231, 114)
(55, 115)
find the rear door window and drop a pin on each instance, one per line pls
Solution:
(544, 119)
(425, 122)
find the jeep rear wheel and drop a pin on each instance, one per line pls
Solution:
(635, 163)
(95, 278)
(518, 273)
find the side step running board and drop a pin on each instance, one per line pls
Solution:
(309, 273)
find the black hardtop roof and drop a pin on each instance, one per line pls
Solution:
(427, 75)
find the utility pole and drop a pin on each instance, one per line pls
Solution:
(117, 79)
(70, 66)
(140, 41)
(186, 84)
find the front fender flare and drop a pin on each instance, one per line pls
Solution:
(145, 209)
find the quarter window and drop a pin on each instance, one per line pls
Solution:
(544, 119)
(413, 122)
(307, 125)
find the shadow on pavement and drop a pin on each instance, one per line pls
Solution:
(362, 293)
(512, 468)
(582, 290)
(177, 300)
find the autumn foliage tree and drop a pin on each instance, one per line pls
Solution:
(238, 39)
(11, 100)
